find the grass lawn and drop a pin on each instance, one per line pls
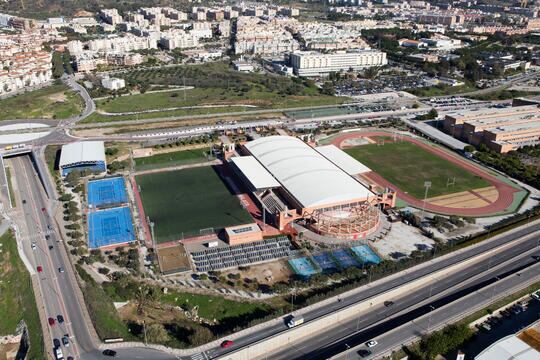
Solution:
(175, 158)
(10, 188)
(17, 297)
(407, 166)
(98, 117)
(262, 99)
(101, 309)
(441, 90)
(186, 201)
(214, 307)
(52, 156)
(53, 102)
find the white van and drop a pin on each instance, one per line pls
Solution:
(295, 321)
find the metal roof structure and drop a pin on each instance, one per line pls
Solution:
(82, 152)
(510, 347)
(313, 180)
(343, 160)
(257, 175)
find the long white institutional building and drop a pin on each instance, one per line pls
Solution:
(307, 63)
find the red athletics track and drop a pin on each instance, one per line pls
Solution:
(506, 192)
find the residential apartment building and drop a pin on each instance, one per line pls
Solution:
(122, 44)
(23, 69)
(441, 19)
(307, 63)
(264, 37)
(178, 39)
(111, 16)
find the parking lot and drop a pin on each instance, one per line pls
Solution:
(382, 83)
(499, 326)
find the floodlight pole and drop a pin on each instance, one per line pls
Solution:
(427, 185)
(152, 230)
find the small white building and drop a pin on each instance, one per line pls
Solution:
(113, 83)
(242, 66)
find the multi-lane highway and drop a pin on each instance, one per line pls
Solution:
(366, 292)
(444, 315)
(381, 319)
(44, 249)
(57, 289)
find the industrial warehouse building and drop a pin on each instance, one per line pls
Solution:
(500, 129)
(292, 180)
(308, 63)
(83, 155)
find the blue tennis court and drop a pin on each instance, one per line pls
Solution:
(325, 262)
(366, 255)
(108, 227)
(302, 266)
(343, 257)
(105, 192)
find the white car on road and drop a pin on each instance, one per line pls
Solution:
(371, 343)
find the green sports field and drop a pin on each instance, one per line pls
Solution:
(182, 202)
(176, 158)
(407, 166)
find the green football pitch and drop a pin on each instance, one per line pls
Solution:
(175, 158)
(181, 203)
(408, 166)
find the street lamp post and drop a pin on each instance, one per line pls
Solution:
(427, 185)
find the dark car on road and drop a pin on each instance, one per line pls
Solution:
(51, 321)
(56, 343)
(364, 352)
(60, 319)
(109, 352)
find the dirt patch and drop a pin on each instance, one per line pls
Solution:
(172, 259)
(268, 273)
(8, 351)
(152, 314)
(58, 97)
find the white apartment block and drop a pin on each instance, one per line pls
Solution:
(264, 37)
(113, 83)
(75, 47)
(316, 64)
(122, 44)
(111, 16)
(179, 39)
(22, 69)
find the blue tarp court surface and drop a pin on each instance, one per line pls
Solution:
(366, 255)
(343, 257)
(302, 266)
(109, 227)
(325, 262)
(106, 192)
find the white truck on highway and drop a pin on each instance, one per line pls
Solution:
(58, 353)
(295, 321)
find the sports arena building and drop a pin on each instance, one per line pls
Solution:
(292, 180)
(83, 155)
